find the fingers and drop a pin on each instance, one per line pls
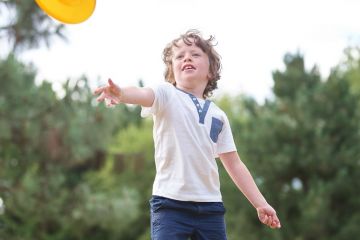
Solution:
(109, 103)
(114, 101)
(273, 222)
(113, 88)
(103, 88)
(102, 97)
(270, 219)
(99, 90)
(110, 93)
(265, 219)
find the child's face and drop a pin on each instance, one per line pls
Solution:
(190, 65)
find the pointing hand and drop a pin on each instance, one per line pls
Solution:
(110, 93)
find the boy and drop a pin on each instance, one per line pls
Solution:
(189, 133)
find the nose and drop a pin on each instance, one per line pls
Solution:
(187, 58)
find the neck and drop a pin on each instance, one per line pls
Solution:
(195, 89)
(197, 92)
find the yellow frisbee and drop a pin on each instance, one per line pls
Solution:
(68, 11)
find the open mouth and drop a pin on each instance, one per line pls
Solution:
(188, 67)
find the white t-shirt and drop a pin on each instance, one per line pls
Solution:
(189, 133)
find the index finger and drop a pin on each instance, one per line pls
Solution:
(99, 90)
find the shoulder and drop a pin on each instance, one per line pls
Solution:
(163, 85)
(160, 87)
(217, 108)
(163, 88)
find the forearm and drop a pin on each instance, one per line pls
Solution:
(132, 95)
(137, 95)
(242, 178)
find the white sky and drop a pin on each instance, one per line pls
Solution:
(124, 39)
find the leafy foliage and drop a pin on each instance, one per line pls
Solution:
(73, 169)
(26, 26)
(48, 147)
(301, 149)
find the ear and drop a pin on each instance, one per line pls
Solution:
(209, 75)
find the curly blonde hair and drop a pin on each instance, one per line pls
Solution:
(207, 46)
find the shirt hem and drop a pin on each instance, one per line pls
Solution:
(189, 199)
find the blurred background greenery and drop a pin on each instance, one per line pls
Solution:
(73, 169)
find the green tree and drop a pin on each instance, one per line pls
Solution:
(349, 68)
(51, 146)
(48, 147)
(24, 26)
(302, 149)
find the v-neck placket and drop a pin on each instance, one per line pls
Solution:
(200, 110)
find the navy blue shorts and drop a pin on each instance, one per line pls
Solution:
(179, 220)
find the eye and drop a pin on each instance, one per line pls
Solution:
(196, 55)
(180, 56)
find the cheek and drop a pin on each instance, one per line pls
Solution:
(176, 67)
(206, 68)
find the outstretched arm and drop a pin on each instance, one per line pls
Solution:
(132, 95)
(245, 182)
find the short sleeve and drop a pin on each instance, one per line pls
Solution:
(225, 141)
(162, 95)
